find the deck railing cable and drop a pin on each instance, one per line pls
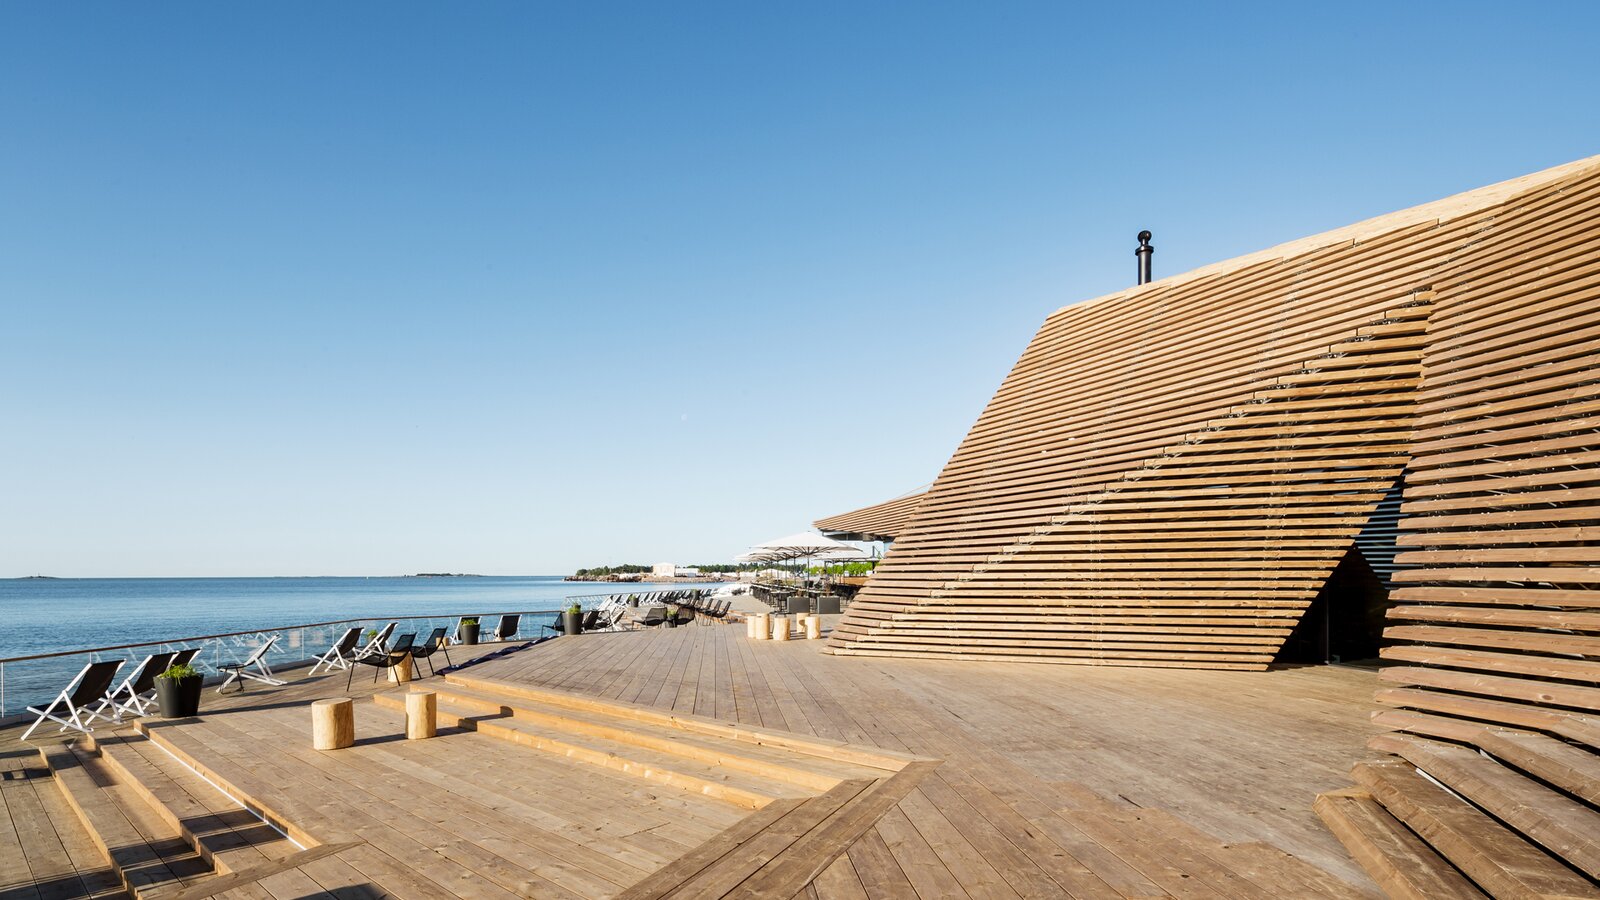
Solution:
(42, 675)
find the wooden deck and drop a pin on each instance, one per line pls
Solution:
(694, 762)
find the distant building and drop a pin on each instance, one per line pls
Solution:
(664, 570)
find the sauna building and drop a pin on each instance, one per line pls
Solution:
(1381, 440)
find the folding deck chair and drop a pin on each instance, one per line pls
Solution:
(257, 660)
(379, 644)
(90, 685)
(338, 656)
(138, 690)
(507, 629)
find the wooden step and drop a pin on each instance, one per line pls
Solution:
(1573, 769)
(1425, 724)
(804, 770)
(145, 851)
(1399, 861)
(686, 774)
(1496, 858)
(1567, 828)
(229, 836)
(1583, 729)
(875, 757)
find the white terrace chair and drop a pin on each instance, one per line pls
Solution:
(507, 629)
(257, 660)
(338, 656)
(378, 645)
(136, 692)
(71, 706)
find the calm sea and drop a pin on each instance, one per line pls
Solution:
(46, 615)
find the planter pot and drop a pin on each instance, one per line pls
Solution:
(179, 697)
(572, 622)
(469, 634)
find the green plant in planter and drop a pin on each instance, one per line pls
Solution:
(371, 633)
(178, 691)
(178, 673)
(469, 621)
(575, 608)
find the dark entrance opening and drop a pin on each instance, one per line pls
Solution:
(1345, 621)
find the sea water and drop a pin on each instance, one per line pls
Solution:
(39, 615)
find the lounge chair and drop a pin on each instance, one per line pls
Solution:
(653, 616)
(184, 657)
(257, 660)
(507, 629)
(396, 654)
(612, 620)
(379, 643)
(589, 618)
(89, 686)
(338, 656)
(136, 692)
(434, 644)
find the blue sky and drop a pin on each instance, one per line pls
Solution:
(514, 288)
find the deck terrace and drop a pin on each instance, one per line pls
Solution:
(693, 762)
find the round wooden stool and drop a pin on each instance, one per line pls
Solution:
(333, 723)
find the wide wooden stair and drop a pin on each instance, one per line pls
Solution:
(1472, 811)
(168, 834)
(710, 758)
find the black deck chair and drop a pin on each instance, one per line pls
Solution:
(507, 629)
(653, 616)
(92, 685)
(589, 618)
(685, 615)
(136, 692)
(184, 657)
(434, 644)
(398, 651)
(556, 625)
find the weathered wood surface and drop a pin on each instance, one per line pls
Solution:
(1006, 812)
(1003, 811)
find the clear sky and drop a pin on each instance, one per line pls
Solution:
(510, 288)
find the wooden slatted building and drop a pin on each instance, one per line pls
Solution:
(1175, 474)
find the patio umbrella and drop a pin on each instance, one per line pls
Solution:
(808, 546)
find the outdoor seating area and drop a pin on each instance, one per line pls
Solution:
(786, 599)
(673, 609)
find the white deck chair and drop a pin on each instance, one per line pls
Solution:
(257, 660)
(613, 619)
(71, 706)
(338, 656)
(507, 629)
(136, 692)
(378, 645)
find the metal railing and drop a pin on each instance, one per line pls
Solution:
(34, 679)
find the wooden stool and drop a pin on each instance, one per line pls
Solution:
(401, 672)
(813, 628)
(780, 628)
(422, 715)
(762, 630)
(333, 724)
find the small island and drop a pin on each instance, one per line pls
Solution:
(443, 575)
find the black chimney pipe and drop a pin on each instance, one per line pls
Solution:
(1144, 252)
